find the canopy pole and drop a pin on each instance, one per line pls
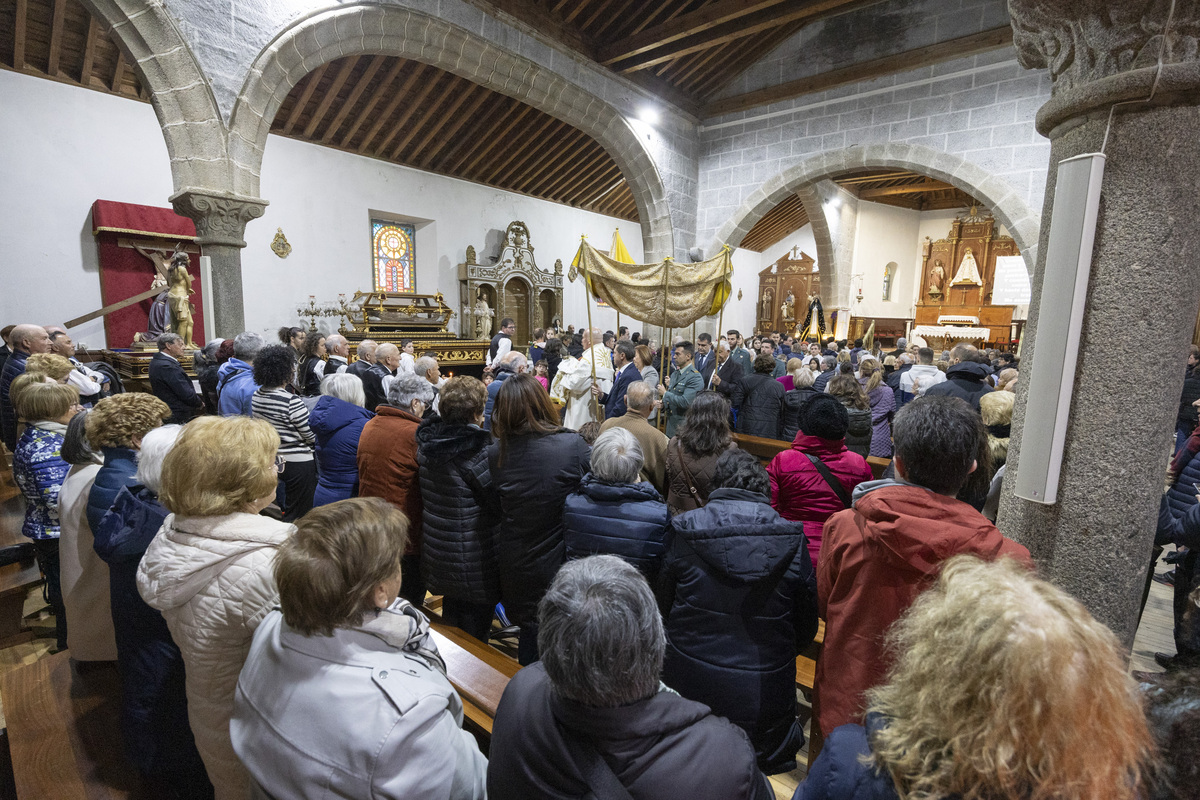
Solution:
(587, 286)
(662, 369)
(721, 314)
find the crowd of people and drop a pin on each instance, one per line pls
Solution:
(256, 556)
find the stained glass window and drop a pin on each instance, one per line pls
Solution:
(393, 246)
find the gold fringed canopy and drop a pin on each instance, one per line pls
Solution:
(666, 294)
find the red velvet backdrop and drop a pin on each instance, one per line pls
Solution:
(124, 272)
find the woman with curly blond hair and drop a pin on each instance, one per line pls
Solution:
(115, 428)
(1004, 686)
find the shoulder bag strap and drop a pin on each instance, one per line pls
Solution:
(687, 473)
(599, 776)
(833, 482)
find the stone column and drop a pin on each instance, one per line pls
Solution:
(220, 223)
(1142, 296)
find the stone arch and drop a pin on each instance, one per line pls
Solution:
(366, 28)
(179, 92)
(993, 192)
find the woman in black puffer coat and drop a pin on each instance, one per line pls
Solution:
(739, 594)
(535, 465)
(758, 399)
(846, 388)
(460, 510)
(793, 401)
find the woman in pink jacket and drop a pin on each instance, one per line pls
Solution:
(815, 478)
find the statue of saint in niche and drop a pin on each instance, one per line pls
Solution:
(968, 271)
(789, 306)
(887, 282)
(767, 304)
(937, 277)
(483, 316)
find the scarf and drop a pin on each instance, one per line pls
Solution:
(404, 627)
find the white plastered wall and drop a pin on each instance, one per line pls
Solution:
(63, 147)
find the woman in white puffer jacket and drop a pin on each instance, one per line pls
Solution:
(209, 571)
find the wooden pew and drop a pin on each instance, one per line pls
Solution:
(64, 732)
(478, 672)
(766, 449)
(18, 573)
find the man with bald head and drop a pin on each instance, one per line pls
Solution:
(577, 382)
(24, 340)
(365, 358)
(377, 378)
(641, 399)
(338, 350)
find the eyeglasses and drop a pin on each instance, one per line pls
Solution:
(279, 464)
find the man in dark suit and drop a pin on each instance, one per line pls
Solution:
(626, 372)
(726, 374)
(170, 383)
(365, 360)
(706, 359)
(377, 379)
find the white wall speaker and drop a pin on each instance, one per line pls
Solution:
(1060, 320)
(206, 295)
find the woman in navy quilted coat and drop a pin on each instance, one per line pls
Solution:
(337, 420)
(460, 510)
(743, 603)
(613, 513)
(115, 428)
(39, 471)
(154, 718)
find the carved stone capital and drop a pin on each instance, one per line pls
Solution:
(1100, 52)
(220, 218)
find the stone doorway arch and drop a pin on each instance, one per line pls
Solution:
(367, 28)
(806, 178)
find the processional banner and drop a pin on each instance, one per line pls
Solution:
(665, 294)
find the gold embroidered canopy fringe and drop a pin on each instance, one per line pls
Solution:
(665, 294)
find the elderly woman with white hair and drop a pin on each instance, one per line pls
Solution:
(154, 718)
(593, 718)
(613, 512)
(337, 420)
(387, 467)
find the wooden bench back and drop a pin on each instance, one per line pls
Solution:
(766, 449)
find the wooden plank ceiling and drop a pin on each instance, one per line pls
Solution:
(684, 51)
(59, 39)
(420, 116)
(892, 187)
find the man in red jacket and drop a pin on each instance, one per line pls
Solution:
(878, 555)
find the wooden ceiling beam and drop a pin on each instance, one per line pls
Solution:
(480, 130)
(677, 38)
(310, 86)
(330, 95)
(487, 144)
(518, 157)
(579, 176)
(352, 99)
(559, 155)
(853, 180)
(448, 117)
(89, 51)
(399, 97)
(617, 16)
(599, 178)
(380, 91)
(450, 135)
(118, 72)
(901, 62)
(22, 12)
(56, 37)
(546, 21)
(414, 118)
(706, 18)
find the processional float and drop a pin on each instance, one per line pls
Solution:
(666, 294)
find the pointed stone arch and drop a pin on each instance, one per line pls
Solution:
(367, 28)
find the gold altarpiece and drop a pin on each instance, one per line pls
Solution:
(796, 273)
(957, 276)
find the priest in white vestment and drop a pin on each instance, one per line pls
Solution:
(576, 385)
